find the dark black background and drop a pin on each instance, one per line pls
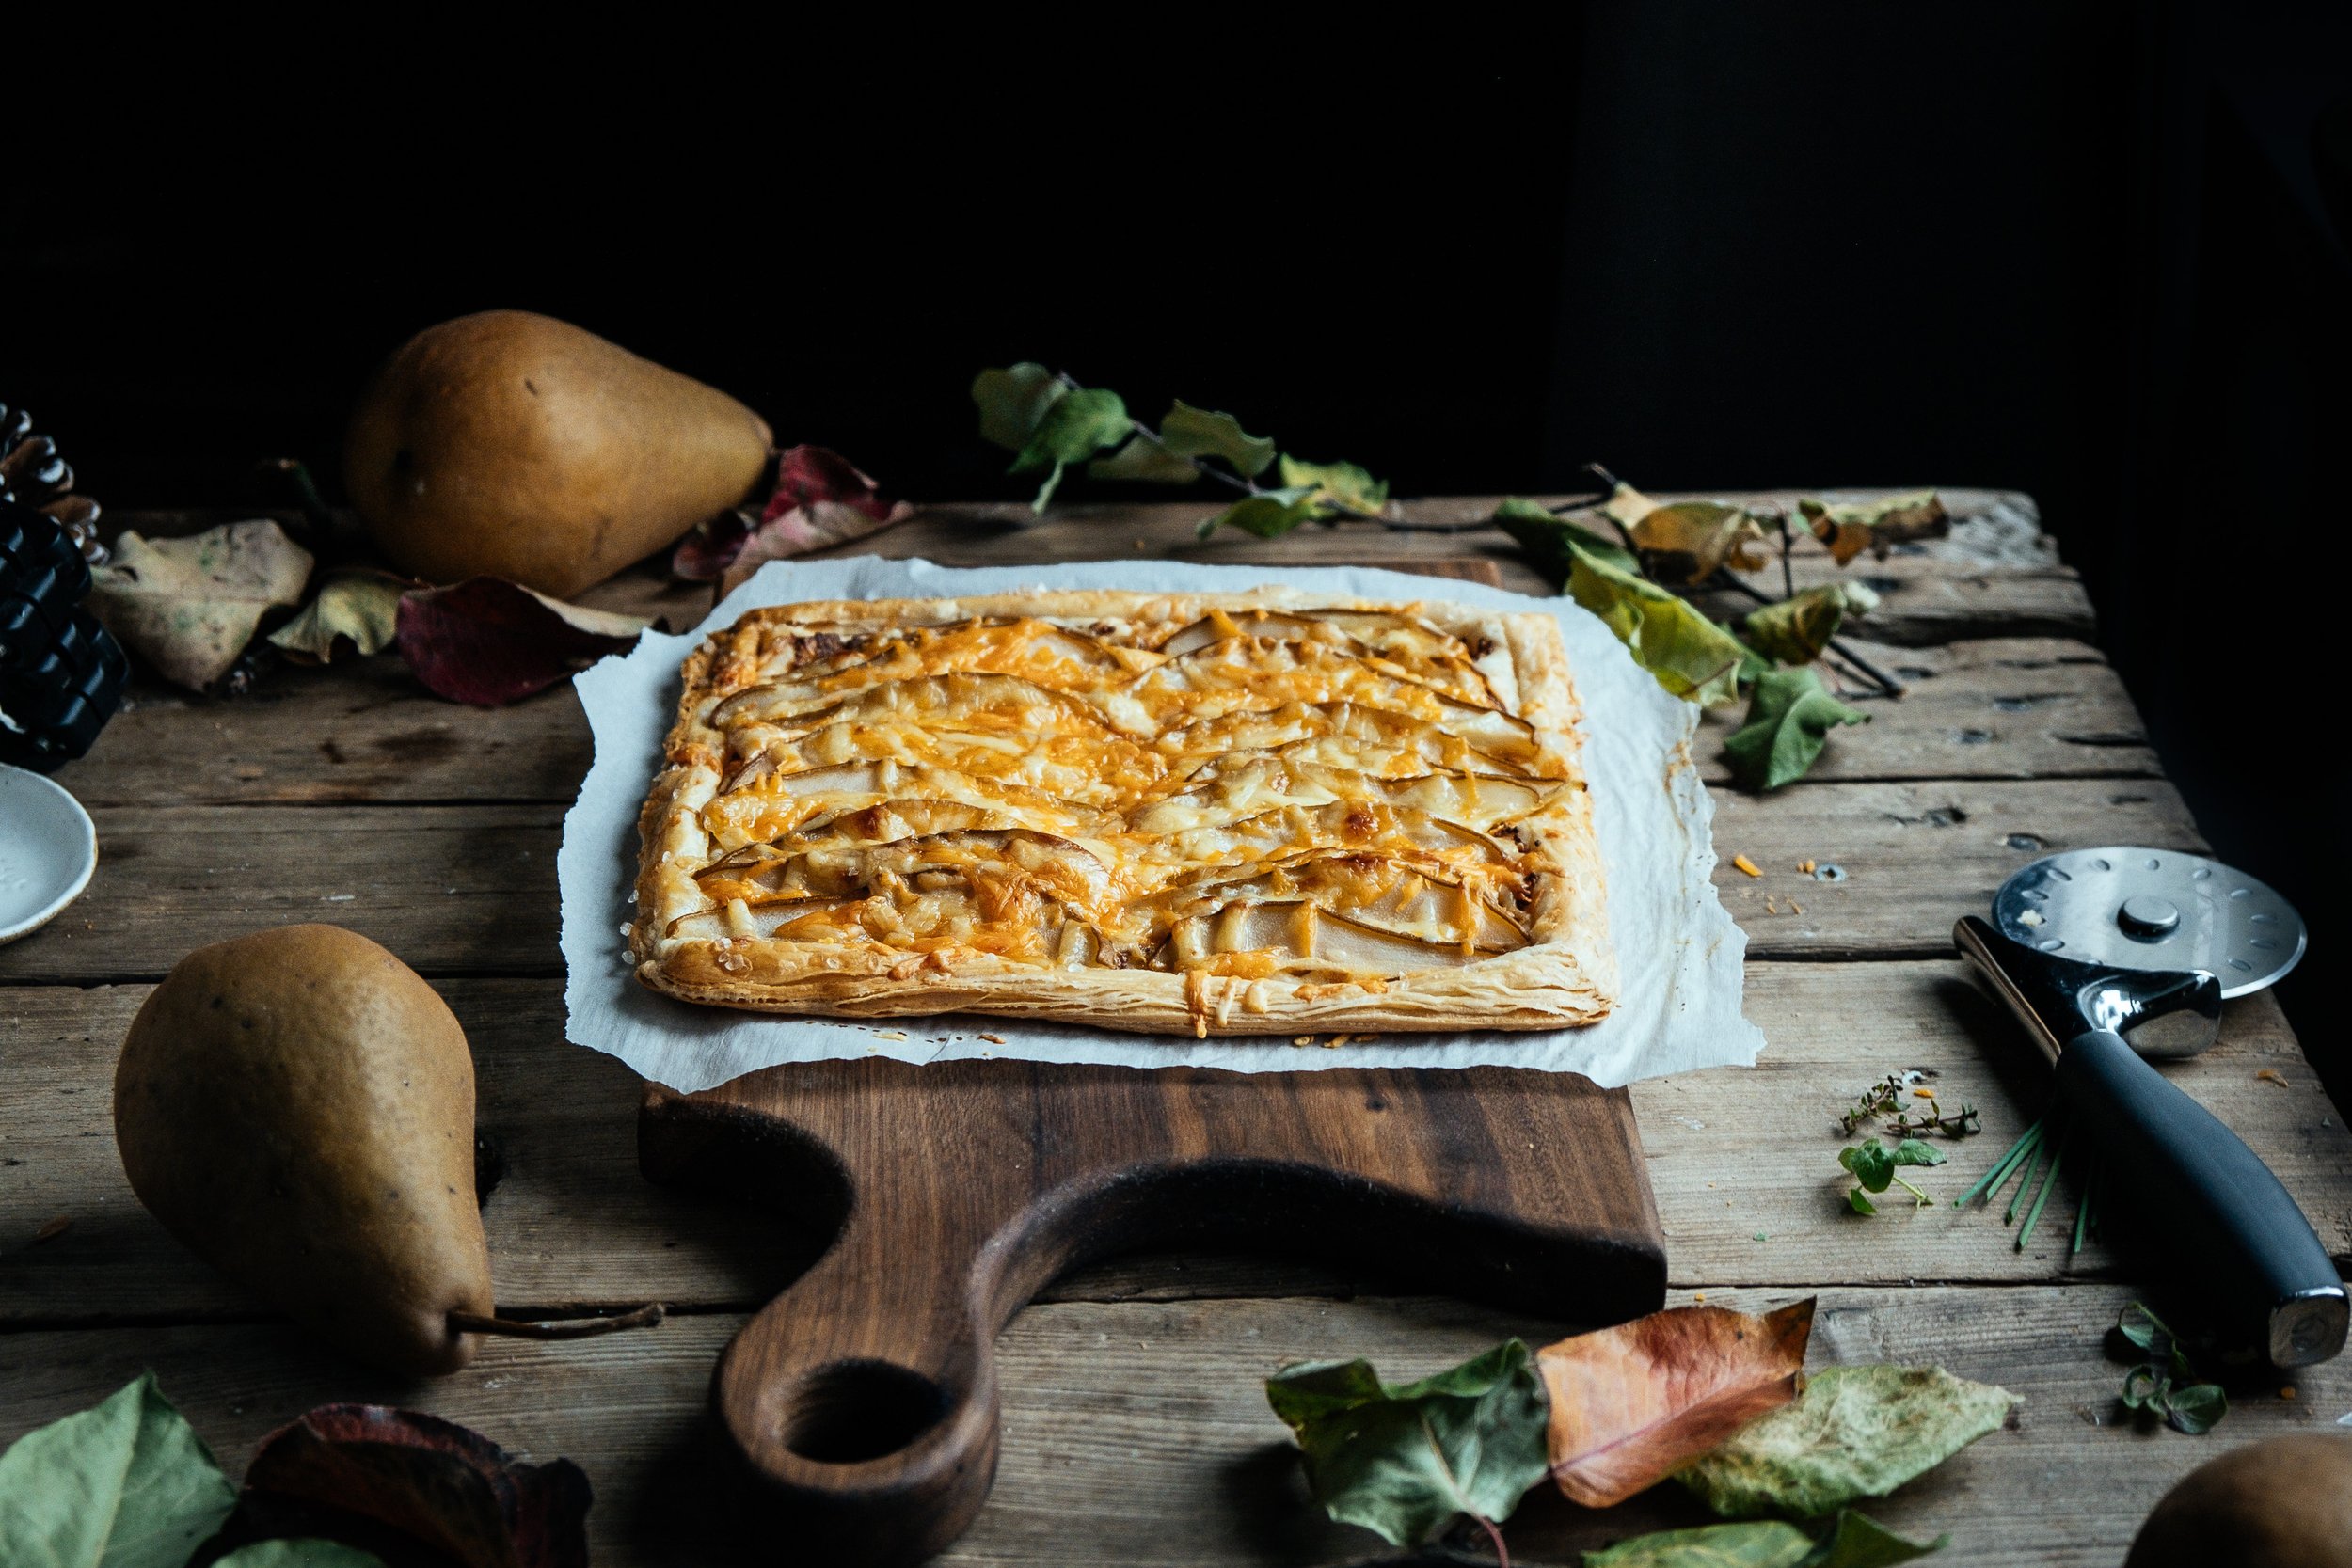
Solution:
(2095, 252)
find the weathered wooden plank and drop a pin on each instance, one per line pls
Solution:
(471, 889)
(364, 730)
(1733, 1155)
(1137, 1433)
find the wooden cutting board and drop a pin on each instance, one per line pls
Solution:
(862, 1403)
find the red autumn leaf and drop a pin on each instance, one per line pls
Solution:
(819, 498)
(447, 1486)
(1631, 1405)
(490, 642)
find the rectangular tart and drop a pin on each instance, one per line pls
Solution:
(1240, 814)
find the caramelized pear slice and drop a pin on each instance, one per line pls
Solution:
(1230, 788)
(1409, 899)
(1299, 938)
(1256, 672)
(1031, 649)
(967, 701)
(1350, 827)
(1348, 735)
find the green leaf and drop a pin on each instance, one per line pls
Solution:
(1870, 1163)
(1011, 401)
(2196, 1408)
(1790, 718)
(125, 1484)
(1268, 514)
(1144, 460)
(1854, 1432)
(1076, 426)
(1859, 1541)
(1859, 1204)
(1910, 1151)
(1552, 543)
(2143, 1328)
(304, 1553)
(2144, 1387)
(1336, 487)
(1205, 433)
(1795, 630)
(1401, 1461)
(1770, 1544)
(1689, 655)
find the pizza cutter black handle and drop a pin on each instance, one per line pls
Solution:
(2234, 1227)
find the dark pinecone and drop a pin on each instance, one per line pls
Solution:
(31, 471)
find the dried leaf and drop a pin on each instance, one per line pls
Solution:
(1854, 1432)
(821, 499)
(124, 1484)
(1688, 541)
(448, 1487)
(1795, 630)
(1402, 1461)
(357, 611)
(189, 606)
(1855, 1542)
(1627, 506)
(1876, 526)
(1689, 655)
(1191, 431)
(1013, 401)
(1790, 718)
(1631, 1405)
(1073, 428)
(488, 641)
(1553, 542)
(1335, 486)
(1269, 514)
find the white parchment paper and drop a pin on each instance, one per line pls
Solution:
(1678, 953)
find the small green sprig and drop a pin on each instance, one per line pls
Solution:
(2164, 1385)
(1891, 1096)
(1874, 1164)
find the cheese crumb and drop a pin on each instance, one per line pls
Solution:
(1746, 864)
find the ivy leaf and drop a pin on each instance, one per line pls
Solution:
(1871, 1164)
(1854, 1432)
(1795, 630)
(1552, 543)
(1688, 541)
(1689, 655)
(1013, 401)
(1269, 514)
(1401, 1461)
(1336, 487)
(1145, 461)
(357, 611)
(124, 1484)
(1191, 431)
(1631, 1403)
(1857, 1542)
(1790, 718)
(1876, 526)
(1074, 427)
(1859, 1203)
(2196, 1408)
(304, 1553)
(1911, 1152)
(2164, 1385)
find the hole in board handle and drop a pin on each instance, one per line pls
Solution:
(853, 1410)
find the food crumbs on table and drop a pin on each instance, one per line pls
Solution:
(890, 1033)
(1759, 1236)
(1805, 866)
(2271, 1075)
(1746, 864)
(1302, 1040)
(1698, 1295)
(1771, 907)
(1139, 545)
(993, 1039)
(1795, 908)
(1923, 1094)
(52, 1229)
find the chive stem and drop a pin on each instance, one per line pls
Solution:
(2048, 1182)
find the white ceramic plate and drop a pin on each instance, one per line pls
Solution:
(48, 849)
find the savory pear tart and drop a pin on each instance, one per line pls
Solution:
(1238, 814)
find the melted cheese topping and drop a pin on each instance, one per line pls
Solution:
(1326, 795)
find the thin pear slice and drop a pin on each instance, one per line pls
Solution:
(1353, 827)
(1411, 648)
(761, 803)
(969, 701)
(1259, 673)
(1025, 647)
(1230, 788)
(1295, 937)
(1348, 735)
(1091, 769)
(1409, 899)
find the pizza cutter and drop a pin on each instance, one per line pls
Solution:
(2111, 956)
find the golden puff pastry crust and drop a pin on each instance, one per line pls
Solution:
(1238, 814)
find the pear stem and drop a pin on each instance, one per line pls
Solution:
(570, 1328)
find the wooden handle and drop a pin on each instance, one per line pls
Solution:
(864, 1397)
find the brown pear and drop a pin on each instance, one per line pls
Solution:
(297, 1107)
(513, 445)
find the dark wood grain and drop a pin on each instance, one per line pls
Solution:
(862, 1403)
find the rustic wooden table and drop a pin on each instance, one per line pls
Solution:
(1135, 1430)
